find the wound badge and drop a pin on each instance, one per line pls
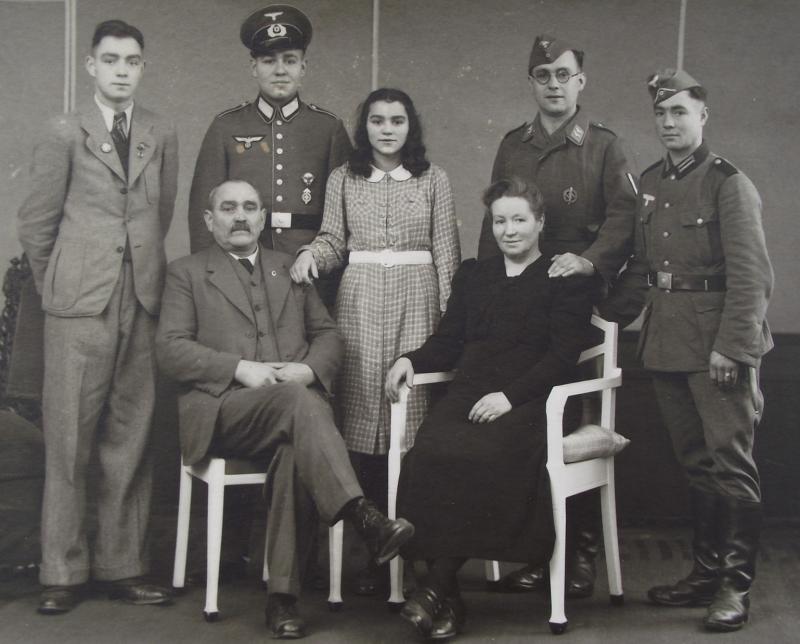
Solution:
(570, 195)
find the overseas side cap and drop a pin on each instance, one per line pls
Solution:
(546, 49)
(665, 84)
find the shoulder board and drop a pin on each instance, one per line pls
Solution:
(655, 165)
(602, 126)
(516, 129)
(321, 111)
(727, 167)
(233, 109)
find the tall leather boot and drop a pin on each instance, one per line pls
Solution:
(699, 586)
(740, 531)
(582, 571)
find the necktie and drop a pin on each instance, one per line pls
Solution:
(119, 135)
(119, 130)
(247, 264)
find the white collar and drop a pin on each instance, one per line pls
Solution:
(287, 111)
(108, 114)
(252, 257)
(398, 174)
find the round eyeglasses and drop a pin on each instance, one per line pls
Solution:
(542, 76)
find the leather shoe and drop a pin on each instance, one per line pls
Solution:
(693, 590)
(450, 619)
(56, 600)
(421, 608)
(383, 536)
(525, 580)
(282, 617)
(135, 591)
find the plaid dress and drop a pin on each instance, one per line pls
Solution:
(385, 312)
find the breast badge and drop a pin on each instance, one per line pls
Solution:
(308, 179)
(570, 195)
(246, 142)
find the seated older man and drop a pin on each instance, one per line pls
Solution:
(257, 355)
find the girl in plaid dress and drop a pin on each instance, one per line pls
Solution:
(391, 213)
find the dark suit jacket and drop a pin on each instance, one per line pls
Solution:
(82, 207)
(207, 326)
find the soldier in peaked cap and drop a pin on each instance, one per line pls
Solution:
(283, 146)
(589, 193)
(700, 269)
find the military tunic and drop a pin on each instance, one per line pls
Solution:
(588, 191)
(286, 153)
(700, 268)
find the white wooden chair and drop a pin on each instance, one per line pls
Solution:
(566, 479)
(217, 474)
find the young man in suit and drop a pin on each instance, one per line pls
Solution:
(104, 183)
(257, 355)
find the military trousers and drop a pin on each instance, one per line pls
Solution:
(289, 427)
(98, 400)
(713, 430)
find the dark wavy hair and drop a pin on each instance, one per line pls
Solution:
(515, 187)
(413, 152)
(116, 29)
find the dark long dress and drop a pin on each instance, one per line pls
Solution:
(481, 490)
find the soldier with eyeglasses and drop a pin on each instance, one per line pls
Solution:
(590, 198)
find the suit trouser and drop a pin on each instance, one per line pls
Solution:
(291, 427)
(99, 394)
(712, 430)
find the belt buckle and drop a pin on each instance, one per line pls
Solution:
(281, 220)
(664, 280)
(387, 261)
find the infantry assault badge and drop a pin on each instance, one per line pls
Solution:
(308, 179)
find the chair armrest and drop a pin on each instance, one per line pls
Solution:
(398, 409)
(557, 401)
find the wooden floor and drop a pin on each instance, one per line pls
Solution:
(648, 557)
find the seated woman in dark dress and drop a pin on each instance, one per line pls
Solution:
(474, 484)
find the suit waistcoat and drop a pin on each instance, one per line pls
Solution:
(254, 286)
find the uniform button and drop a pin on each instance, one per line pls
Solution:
(261, 334)
(699, 220)
(278, 122)
(672, 176)
(279, 182)
(253, 283)
(665, 233)
(279, 198)
(279, 230)
(257, 307)
(274, 273)
(279, 136)
(123, 191)
(279, 150)
(279, 166)
(666, 205)
(120, 249)
(666, 262)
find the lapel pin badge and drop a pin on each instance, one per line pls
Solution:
(105, 147)
(140, 150)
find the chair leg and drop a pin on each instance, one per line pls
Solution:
(396, 596)
(265, 567)
(335, 547)
(492, 570)
(216, 507)
(609, 509)
(558, 620)
(182, 533)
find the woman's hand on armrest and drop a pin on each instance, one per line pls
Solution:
(304, 268)
(489, 408)
(402, 371)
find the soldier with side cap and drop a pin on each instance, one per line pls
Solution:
(701, 271)
(579, 166)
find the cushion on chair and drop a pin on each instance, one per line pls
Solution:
(592, 441)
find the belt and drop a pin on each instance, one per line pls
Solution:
(389, 258)
(295, 220)
(672, 282)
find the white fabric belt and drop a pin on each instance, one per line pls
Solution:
(390, 258)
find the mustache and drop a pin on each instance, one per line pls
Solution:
(240, 225)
